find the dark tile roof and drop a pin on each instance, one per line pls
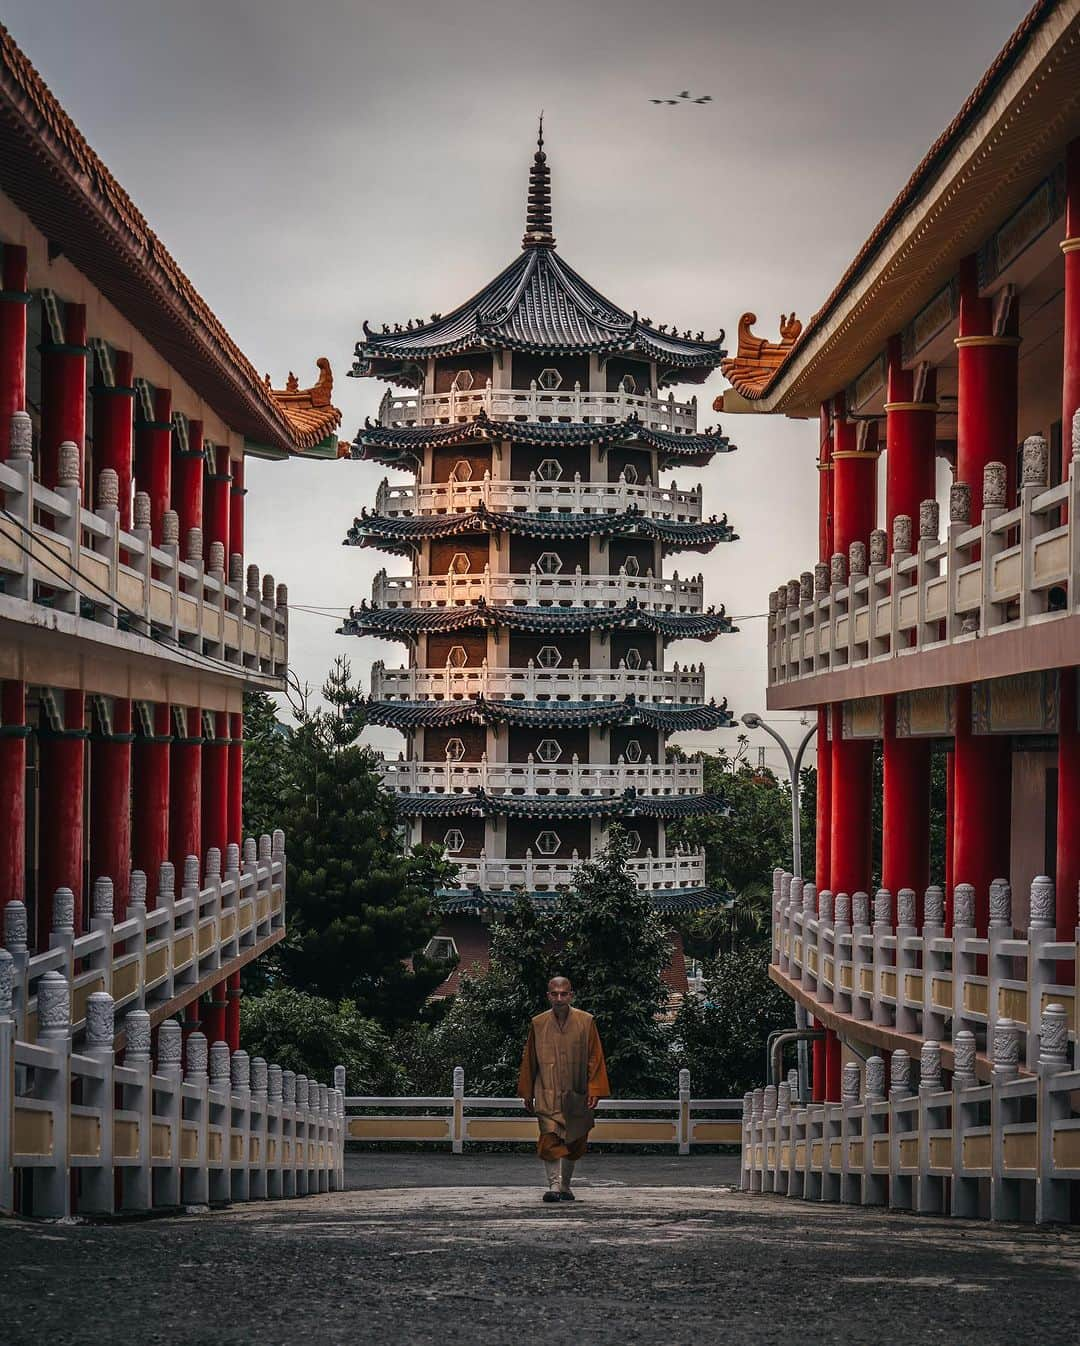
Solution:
(478, 804)
(545, 714)
(476, 901)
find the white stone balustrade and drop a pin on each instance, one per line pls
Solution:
(570, 589)
(677, 685)
(114, 585)
(149, 959)
(568, 777)
(143, 1137)
(1012, 569)
(538, 404)
(652, 873)
(569, 496)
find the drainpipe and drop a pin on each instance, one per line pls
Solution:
(779, 1040)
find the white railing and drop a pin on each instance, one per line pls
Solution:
(653, 872)
(1018, 568)
(166, 593)
(661, 594)
(536, 404)
(539, 497)
(459, 1118)
(163, 948)
(1009, 1148)
(683, 686)
(853, 961)
(561, 778)
(142, 1136)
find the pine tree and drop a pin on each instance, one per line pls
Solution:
(266, 763)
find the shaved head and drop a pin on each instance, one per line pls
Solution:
(559, 981)
(560, 996)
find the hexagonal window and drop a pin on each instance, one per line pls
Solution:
(460, 563)
(453, 842)
(548, 843)
(549, 750)
(550, 656)
(630, 472)
(461, 471)
(549, 470)
(549, 563)
(549, 380)
(633, 751)
(457, 658)
(632, 566)
(633, 841)
(633, 658)
(455, 749)
(628, 384)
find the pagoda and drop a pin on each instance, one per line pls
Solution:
(536, 702)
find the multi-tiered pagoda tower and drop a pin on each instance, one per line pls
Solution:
(536, 702)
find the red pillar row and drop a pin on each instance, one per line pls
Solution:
(13, 304)
(237, 492)
(114, 428)
(150, 798)
(110, 805)
(218, 510)
(187, 470)
(833, 1067)
(823, 828)
(854, 481)
(63, 393)
(153, 459)
(185, 792)
(905, 810)
(236, 778)
(852, 773)
(215, 786)
(13, 735)
(61, 796)
(910, 439)
(982, 798)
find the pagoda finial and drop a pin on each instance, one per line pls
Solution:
(538, 231)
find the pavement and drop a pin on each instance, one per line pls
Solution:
(436, 1248)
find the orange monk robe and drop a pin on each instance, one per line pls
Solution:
(562, 1066)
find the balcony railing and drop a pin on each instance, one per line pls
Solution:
(652, 873)
(94, 570)
(682, 686)
(537, 404)
(661, 594)
(539, 497)
(1018, 569)
(544, 778)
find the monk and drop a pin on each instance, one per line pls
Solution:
(562, 1077)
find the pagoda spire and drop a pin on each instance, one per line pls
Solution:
(538, 231)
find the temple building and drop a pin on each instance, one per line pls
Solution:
(130, 621)
(536, 702)
(938, 631)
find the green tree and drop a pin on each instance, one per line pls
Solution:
(359, 905)
(266, 763)
(312, 1035)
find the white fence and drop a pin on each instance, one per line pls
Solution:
(123, 580)
(532, 777)
(152, 956)
(678, 685)
(535, 496)
(459, 1118)
(534, 589)
(668, 872)
(537, 404)
(1007, 1150)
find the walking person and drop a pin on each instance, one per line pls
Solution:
(562, 1077)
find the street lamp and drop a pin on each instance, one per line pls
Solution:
(794, 765)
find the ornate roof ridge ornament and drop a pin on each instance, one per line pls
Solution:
(538, 226)
(756, 358)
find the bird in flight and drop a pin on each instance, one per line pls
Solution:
(685, 96)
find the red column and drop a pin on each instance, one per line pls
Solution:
(910, 440)
(218, 501)
(950, 814)
(63, 393)
(1070, 385)
(150, 798)
(825, 485)
(905, 810)
(13, 733)
(13, 302)
(114, 428)
(854, 481)
(62, 793)
(232, 1012)
(982, 795)
(236, 778)
(213, 1017)
(110, 805)
(833, 1067)
(823, 829)
(237, 492)
(185, 793)
(188, 482)
(817, 1071)
(215, 786)
(852, 767)
(153, 458)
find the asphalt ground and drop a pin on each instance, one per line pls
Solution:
(436, 1248)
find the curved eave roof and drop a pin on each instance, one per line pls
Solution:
(405, 715)
(539, 305)
(478, 901)
(408, 623)
(400, 534)
(630, 804)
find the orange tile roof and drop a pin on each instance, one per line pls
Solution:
(50, 172)
(757, 360)
(309, 410)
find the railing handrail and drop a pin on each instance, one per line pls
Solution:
(533, 403)
(538, 495)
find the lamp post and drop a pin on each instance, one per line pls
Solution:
(794, 765)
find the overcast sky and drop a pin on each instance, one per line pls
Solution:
(314, 164)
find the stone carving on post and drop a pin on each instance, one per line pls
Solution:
(994, 486)
(783, 1099)
(900, 1075)
(141, 510)
(850, 1082)
(259, 1076)
(301, 1091)
(860, 909)
(901, 534)
(100, 1020)
(193, 546)
(170, 528)
(137, 890)
(838, 569)
(137, 1034)
(253, 581)
(170, 1045)
(288, 1087)
(825, 907)
(63, 912)
(857, 559)
(54, 1006)
(236, 570)
(167, 880)
(795, 892)
(1054, 1037)
(929, 521)
(1006, 1050)
(882, 909)
(793, 1083)
(21, 436)
(930, 1067)
(101, 901)
(821, 578)
(934, 907)
(964, 1058)
(960, 504)
(759, 1104)
(806, 586)
(843, 909)
(274, 1083)
(7, 983)
(241, 1071)
(15, 927)
(220, 1065)
(1035, 462)
(67, 471)
(232, 858)
(108, 489)
(875, 1079)
(810, 899)
(1041, 912)
(197, 1057)
(879, 547)
(1000, 904)
(213, 864)
(905, 908)
(268, 588)
(216, 561)
(963, 906)
(770, 1101)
